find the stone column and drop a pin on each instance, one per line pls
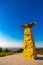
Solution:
(29, 46)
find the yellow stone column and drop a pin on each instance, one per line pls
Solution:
(29, 46)
(29, 50)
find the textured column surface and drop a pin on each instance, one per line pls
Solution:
(29, 46)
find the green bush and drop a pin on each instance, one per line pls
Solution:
(6, 50)
(0, 49)
(19, 50)
(2, 54)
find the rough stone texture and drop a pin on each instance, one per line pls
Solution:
(18, 60)
(29, 46)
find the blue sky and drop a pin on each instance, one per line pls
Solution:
(14, 13)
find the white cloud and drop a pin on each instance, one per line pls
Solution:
(6, 42)
(39, 44)
(10, 44)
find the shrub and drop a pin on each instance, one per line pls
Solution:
(0, 49)
(6, 50)
(19, 50)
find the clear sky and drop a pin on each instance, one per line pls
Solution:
(14, 13)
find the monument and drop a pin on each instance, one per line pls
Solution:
(29, 50)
